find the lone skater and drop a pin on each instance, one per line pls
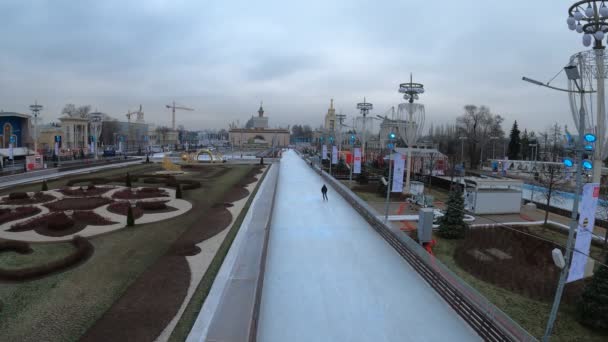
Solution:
(324, 192)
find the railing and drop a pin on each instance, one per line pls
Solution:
(486, 319)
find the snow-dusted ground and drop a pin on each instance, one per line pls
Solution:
(331, 277)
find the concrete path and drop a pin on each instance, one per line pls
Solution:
(331, 277)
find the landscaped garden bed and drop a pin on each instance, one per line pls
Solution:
(7, 215)
(78, 203)
(22, 198)
(82, 191)
(57, 224)
(121, 208)
(140, 194)
(83, 250)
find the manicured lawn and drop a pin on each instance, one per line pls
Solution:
(61, 307)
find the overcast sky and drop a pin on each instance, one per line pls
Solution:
(224, 57)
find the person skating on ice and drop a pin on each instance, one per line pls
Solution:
(324, 192)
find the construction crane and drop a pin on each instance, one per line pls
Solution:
(173, 107)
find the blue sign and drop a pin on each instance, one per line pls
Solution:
(12, 139)
(391, 145)
(58, 138)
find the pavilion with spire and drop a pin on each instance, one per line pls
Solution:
(260, 135)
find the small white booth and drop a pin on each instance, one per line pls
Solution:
(492, 195)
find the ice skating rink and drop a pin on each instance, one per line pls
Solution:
(331, 277)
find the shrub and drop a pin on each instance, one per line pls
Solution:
(18, 195)
(15, 246)
(593, 306)
(59, 221)
(130, 218)
(147, 159)
(178, 191)
(84, 249)
(45, 186)
(363, 179)
(452, 225)
(128, 181)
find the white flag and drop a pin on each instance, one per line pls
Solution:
(584, 231)
(357, 168)
(324, 152)
(398, 170)
(334, 154)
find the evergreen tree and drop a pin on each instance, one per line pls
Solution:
(45, 186)
(128, 181)
(147, 159)
(130, 218)
(178, 191)
(513, 152)
(593, 306)
(452, 225)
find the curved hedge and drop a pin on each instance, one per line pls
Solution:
(84, 250)
(15, 246)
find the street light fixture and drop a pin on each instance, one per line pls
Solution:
(413, 114)
(36, 108)
(364, 107)
(462, 139)
(575, 79)
(590, 18)
(391, 145)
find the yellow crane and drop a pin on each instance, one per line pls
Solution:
(173, 107)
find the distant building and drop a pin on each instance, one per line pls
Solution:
(330, 118)
(15, 130)
(260, 135)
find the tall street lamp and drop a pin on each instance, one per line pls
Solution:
(391, 145)
(590, 17)
(364, 107)
(574, 76)
(462, 139)
(36, 108)
(493, 146)
(413, 114)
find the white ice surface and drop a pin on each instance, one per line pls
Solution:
(331, 277)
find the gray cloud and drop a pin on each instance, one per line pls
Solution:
(223, 57)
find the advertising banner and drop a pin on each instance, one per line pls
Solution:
(357, 166)
(584, 231)
(334, 154)
(398, 170)
(10, 151)
(324, 152)
(56, 148)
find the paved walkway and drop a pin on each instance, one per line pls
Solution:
(331, 277)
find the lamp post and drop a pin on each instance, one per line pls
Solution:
(390, 146)
(364, 107)
(462, 139)
(36, 108)
(414, 120)
(493, 146)
(574, 76)
(590, 17)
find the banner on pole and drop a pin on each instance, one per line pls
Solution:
(324, 152)
(11, 153)
(584, 231)
(56, 148)
(398, 170)
(334, 154)
(357, 166)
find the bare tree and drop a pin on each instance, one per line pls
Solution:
(551, 179)
(69, 110)
(76, 112)
(478, 124)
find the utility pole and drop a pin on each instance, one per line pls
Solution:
(36, 108)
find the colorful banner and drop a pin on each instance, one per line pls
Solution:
(56, 148)
(357, 166)
(398, 170)
(584, 231)
(324, 152)
(334, 154)
(11, 153)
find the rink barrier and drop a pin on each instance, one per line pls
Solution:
(484, 317)
(237, 315)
